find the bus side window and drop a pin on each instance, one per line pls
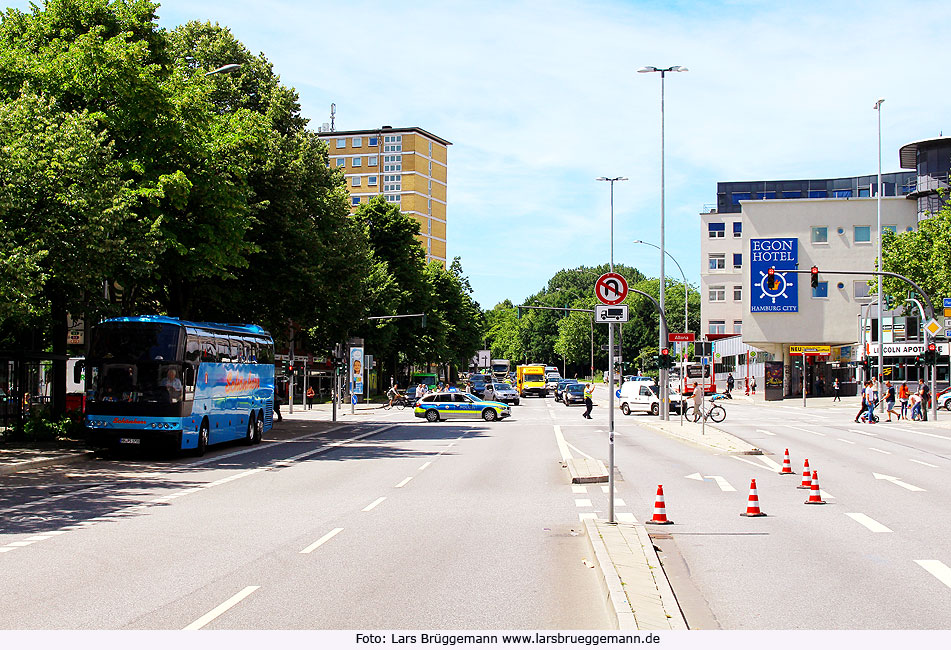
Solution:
(209, 352)
(224, 350)
(193, 349)
(254, 351)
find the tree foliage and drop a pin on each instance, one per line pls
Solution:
(923, 255)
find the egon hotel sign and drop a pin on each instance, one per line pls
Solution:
(779, 253)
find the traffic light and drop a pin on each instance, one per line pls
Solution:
(665, 360)
(931, 355)
(771, 282)
(815, 277)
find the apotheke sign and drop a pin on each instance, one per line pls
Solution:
(904, 349)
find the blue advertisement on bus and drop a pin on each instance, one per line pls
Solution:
(777, 253)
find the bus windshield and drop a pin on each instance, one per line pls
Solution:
(136, 342)
(146, 382)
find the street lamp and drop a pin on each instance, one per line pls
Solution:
(231, 67)
(664, 387)
(881, 342)
(647, 243)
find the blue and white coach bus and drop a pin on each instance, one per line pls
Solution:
(155, 381)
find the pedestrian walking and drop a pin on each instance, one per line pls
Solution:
(821, 386)
(835, 390)
(871, 399)
(890, 401)
(925, 401)
(697, 402)
(752, 385)
(588, 404)
(277, 407)
(864, 394)
(875, 386)
(729, 385)
(903, 399)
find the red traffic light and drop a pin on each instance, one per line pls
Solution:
(771, 282)
(665, 352)
(932, 347)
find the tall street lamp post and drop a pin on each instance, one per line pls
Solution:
(611, 369)
(664, 382)
(881, 343)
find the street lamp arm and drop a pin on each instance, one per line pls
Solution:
(667, 253)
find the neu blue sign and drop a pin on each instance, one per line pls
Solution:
(780, 253)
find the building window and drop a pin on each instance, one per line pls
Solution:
(717, 294)
(371, 161)
(392, 183)
(341, 162)
(820, 234)
(737, 260)
(716, 230)
(393, 198)
(860, 289)
(737, 228)
(358, 142)
(818, 194)
(737, 327)
(741, 196)
(371, 180)
(392, 143)
(357, 161)
(862, 234)
(842, 194)
(356, 181)
(717, 261)
(864, 192)
(738, 292)
(373, 141)
(822, 291)
(794, 194)
(355, 200)
(341, 143)
(894, 229)
(717, 327)
(392, 163)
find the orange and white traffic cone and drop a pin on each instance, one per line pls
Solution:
(806, 477)
(660, 511)
(814, 496)
(752, 506)
(787, 465)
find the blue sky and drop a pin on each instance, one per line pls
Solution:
(541, 98)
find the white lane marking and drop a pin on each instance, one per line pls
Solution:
(921, 462)
(222, 608)
(626, 517)
(404, 481)
(374, 504)
(768, 433)
(851, 442)
(37, 538)
(424, 465)
(825, 495)
(754, 464)
(19, 543)
(922, 433)
(587, 515)
(815, 433)
(579, 489)
(938, 569)
(322, 540)
(582, 503)
(770, 462)
(6, 549)
(864, 433)
(881, 451)
(868, 522)
(722, 483)
(605, 488)
(619, 502)
(892, 479)
(579, 451)
(562, 445)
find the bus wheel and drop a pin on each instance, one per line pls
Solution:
(202, 440)
(258, 428)
(252, 425)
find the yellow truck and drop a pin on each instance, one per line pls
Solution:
(530, 380)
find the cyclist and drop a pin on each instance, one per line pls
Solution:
(393, 393)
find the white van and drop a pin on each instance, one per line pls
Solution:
(642, 396)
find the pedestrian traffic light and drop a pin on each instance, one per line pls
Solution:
(815, 277)
(771, 282)
(931, 355)
(665, 360)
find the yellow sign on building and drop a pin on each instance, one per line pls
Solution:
(810, 349)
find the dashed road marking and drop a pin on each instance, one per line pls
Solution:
(579, 489)
(424, 465)
(815, 433)
(938, 569)
(851, 442)
(768, 433)
(923, 433)
(921, 462)
(374, 504)
(323, 539)
(864, 433)
(868, 522)
(222, 608)
(582, 503)
(881, 451)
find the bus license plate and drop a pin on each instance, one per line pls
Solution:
(130, 441)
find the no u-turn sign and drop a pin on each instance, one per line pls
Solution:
(611, 288)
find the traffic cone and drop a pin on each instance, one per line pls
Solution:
(806, 478)
(660, 512)
(787, 466)
(814, 496)
(752, 506)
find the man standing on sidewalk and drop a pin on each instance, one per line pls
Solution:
(835, 390)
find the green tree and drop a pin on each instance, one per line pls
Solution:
(456, 315)
(923, 255)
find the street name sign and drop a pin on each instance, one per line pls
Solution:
(611, 288)
(683, 337)
(610, 314)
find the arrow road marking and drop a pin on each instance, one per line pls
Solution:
(894, 480)
(723, 484)
(695, 477)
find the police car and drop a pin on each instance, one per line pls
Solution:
(454, 405)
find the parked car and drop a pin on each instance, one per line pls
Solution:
(573, 394)
(560, 388)
(500, 391)
(446, 406)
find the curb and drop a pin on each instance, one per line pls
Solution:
(46, 462)
(619, 607)
(751, 450)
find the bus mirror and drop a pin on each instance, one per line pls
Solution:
(78, 372)
(189, 374)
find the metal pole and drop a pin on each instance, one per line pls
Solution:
(591, 324)
(664, 414)
(804, 378)
(611, 425)
(881, 341)
(290, 384)
(934, 394)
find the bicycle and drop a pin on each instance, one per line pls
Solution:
(399, 402)
(716, 412)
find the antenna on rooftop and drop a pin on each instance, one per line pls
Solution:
(333, 112)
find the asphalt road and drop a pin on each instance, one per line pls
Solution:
(396, 524)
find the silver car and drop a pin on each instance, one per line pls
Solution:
(501, 392)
